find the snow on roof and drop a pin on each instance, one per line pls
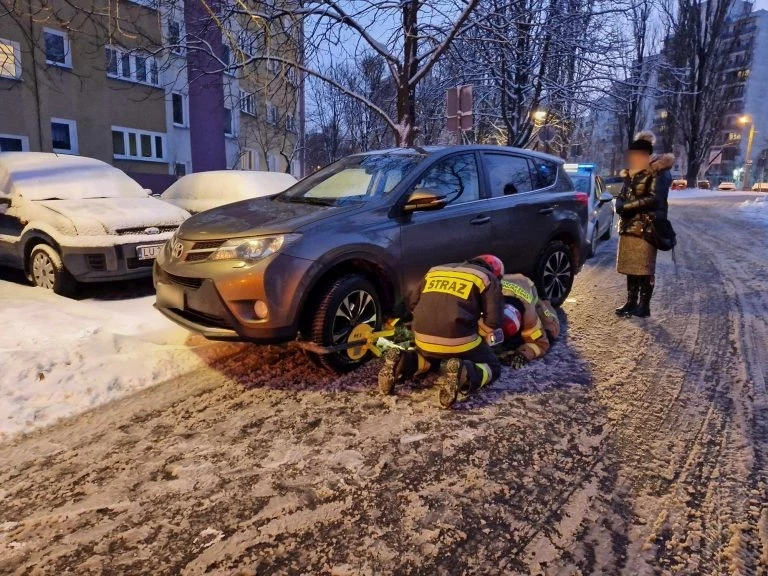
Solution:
(40, 176)
(229, 185)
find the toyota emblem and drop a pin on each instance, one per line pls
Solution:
(177, 249)
(152, 230)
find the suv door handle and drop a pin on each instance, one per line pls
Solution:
(480, 220)
(547, 210)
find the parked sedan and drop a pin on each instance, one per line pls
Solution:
(68, 219)
(704, 185)
(727, 186)
(679, 184)
(601, 209)
(205, 190)
(338, 252)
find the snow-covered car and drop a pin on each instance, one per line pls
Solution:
(704, 185)
(760, 187)
(727, 186)
(601, 211)
(67, 219)
(202, 191)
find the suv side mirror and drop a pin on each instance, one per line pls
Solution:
(5, 203)
(605, 197)
(423, 199)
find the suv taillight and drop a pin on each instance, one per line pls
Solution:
(582, 198)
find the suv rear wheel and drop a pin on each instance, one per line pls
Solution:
(555, 273)
(46, 270)
(346, 303)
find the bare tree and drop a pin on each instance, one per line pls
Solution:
(695, 95)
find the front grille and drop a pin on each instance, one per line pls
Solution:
(141, 230)
(207, 245)
(197, 256)
(209, 320)
(193, 283)
(96, 262)
(133, 263)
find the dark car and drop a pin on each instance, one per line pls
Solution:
(349, 244)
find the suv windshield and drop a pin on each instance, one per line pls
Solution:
(354, 179)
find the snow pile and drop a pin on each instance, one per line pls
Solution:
(695, 193)
(756, 210)
(60, 357)
(205, 190)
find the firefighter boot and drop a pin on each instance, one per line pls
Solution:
(399, 366)
(453, 384)
(633, 290)
(647, 284)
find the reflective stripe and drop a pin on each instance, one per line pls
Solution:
(534, 332)
(460, 274)
(423, 366)
(486, 370)
(448, 349)
(441, 341)
(516, 291)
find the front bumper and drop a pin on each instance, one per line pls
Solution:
(95, 264)
(216, 299)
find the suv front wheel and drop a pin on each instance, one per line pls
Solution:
(346, 303)
(555, 273)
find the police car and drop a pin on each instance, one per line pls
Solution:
(600, 225)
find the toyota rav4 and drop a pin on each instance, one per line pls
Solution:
(347, 245)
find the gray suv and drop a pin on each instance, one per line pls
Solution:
(348, 245)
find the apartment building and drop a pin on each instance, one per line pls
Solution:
(127, 82)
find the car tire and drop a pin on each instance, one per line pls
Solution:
(593, 242)
(608, 231)
(555, 273)
(345, 303)
(46, 270)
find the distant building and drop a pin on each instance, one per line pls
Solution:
(131, 86)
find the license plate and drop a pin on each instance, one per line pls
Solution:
(169, 296)
(148, 252)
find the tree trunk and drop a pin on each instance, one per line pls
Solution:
(406, 94)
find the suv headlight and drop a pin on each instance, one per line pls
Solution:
(252, 249)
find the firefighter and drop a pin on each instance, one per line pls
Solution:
(458, 310)
(527, 334)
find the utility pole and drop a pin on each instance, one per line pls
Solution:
(748, 161)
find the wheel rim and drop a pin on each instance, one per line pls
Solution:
(557, 275)
(358, 307)
(43, 272)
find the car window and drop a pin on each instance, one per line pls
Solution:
(544, 173)
(598, 187)
(564, 182)
(507, 174)
(454, 178)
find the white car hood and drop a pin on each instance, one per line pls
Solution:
(109, 215)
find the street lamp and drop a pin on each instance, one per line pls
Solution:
(744, 120)
(540, 116)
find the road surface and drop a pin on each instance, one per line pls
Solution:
(636, 447)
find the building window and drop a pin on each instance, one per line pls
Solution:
(57, 49)
(290, 123)
(130, 66)
(743, 74)
(63, 136)
(273, 163)
(129, 144)
(13, 143)
(272, 113)
(249, 160)
(226, 58)
(296, 168)
(174, 37)
(146, 3)
(180, 169)
(179, 112)
(248, 43)
(273, 66)
(10, 59)
(293, 76)
(229, 129)
(733, 136)
(248, 102)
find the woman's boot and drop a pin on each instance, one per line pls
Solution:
(633, 290)
(643, 309)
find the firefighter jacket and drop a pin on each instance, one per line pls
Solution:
(451, 301)
(540, 321)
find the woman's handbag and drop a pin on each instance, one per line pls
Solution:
(660, 234)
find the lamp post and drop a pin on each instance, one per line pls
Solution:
(744, 120)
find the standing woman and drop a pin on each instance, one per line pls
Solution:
(643, 198)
